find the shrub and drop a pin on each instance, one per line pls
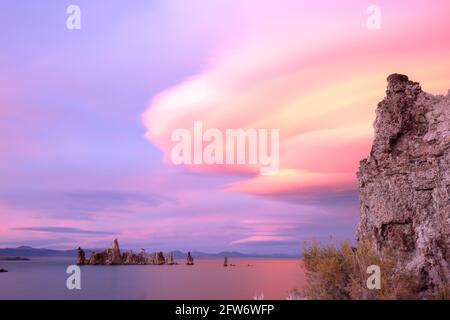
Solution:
(294, 294)
(341, 273)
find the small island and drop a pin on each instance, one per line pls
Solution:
(14, 259)
(3, 270)
(113, 256)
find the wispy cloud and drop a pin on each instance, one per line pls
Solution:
(266, 241)
(81, 205)
(65, 230)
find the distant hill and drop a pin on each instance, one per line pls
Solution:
(25, 251)
(30, 252)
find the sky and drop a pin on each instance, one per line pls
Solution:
(86, 116)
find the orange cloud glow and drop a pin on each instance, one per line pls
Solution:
(320, 93)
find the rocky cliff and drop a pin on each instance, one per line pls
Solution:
(404, 184)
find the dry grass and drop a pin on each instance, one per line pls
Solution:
(341, 273)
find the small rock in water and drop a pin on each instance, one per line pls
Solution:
(190, 260)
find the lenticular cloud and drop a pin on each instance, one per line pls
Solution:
(313, 91)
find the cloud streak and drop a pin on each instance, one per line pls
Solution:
(267, 241)
(67, 230)
(82, 205)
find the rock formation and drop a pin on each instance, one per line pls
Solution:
(142, 258)
(225, 262)
(404, 184)
(129, 257)
(160, 259)
(81, 257)
(113, 256)
(3, 270)
(170, 260)
(96, 258)
(114, 253)
(190, 260)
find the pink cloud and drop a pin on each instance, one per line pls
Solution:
(321, 92)
(266, 240)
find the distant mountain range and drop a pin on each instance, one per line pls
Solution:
(30, 252)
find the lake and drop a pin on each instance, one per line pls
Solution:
(207, 279)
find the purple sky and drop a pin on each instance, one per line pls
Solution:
(75, 166)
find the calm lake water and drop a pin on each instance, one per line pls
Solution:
(208, 279)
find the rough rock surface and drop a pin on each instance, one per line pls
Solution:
(81, 256)
(115, 255)
(170, 259)
(404, 184)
